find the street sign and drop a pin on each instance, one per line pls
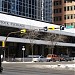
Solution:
(69, 26)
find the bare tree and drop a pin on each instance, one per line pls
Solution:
(33, 34)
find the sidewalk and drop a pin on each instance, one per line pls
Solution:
(58, 66)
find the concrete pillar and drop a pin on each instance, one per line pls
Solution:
(49, 50)
(67, 51)
(35, 49)
(42, 48)
(27, 49)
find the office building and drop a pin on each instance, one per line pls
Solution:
(34, 9)
(64, 12)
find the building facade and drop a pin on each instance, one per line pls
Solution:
(56, 11)
(64, 12)
(33, 9)
(17, 14)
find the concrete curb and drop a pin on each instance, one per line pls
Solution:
(16, 62)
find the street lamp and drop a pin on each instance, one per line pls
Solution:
(4, 42)
(23, 49)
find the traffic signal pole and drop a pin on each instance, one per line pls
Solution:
(0, 64)
(1, 68)
(4, 45)
(4, 42)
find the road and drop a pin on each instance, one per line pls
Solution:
(33, 71)
(26, 69)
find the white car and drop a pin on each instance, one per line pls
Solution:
(38, 58)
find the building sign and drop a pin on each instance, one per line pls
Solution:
(10, 24)
(16, 25)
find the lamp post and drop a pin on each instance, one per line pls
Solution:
(4, 42)
(23, 49)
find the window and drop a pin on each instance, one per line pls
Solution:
(64, 1)
(64, 8)
(65, 17)
(71, 8)
(60, 10)
(57, 18)
(69, 1)
(74, 7)
(71, 16)
(57, 3)
(68, 8)
(68, 17)
(74, 16)
(57, 10)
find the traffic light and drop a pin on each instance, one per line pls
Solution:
(51, 28)
(45, 28)
(61, 27)
(3, 43)
(23, 31)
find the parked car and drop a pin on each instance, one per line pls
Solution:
(38, 58)
(54, 57)
(67, 58)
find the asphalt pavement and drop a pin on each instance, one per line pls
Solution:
(41, 65)
(29, 69)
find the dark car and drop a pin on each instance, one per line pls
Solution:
(67, 58)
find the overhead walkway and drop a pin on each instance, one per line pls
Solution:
(18, 22)
(23, 40)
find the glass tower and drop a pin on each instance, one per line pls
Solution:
(34, 9)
